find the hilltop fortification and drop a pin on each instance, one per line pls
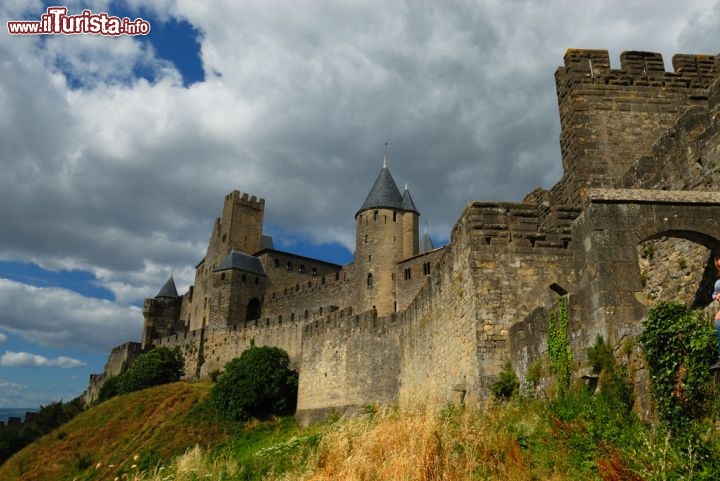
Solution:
(632, 221)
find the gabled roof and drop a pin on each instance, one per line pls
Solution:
(407, 202)
(384, 193)
(168, 290)
(242, 262)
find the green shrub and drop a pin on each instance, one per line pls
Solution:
(160, 365)
(259, 383)
(613, 382)
(508, 384)
(679, 346)
(109, 389)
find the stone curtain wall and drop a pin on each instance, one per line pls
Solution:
(208, 350)
(408, 283)
(348, 362)
(515, 265)
(121, 356)
(332, 291)
(438, 361)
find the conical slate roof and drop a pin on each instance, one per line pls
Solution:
(243, 262)
(426, 244)
(407, 202)
(168, 290)
(384, 193)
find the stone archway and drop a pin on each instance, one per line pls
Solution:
(605, 260)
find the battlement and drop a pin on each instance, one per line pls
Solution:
(609, 117)
(246, 199)
(637, 68)
(344, 323)
(126, 348)
(521, 224)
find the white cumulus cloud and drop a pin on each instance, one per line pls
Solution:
(61, 318)
(26, 359)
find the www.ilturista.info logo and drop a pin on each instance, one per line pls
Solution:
(57, 22)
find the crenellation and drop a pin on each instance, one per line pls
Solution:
(640, 152)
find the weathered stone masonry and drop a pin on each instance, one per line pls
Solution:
(631, 222)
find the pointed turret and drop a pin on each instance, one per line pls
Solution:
(384, 193)
(426, 244)
(407, 202)
(168, 290)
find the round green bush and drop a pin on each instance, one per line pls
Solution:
(259, 383)
(160, 365)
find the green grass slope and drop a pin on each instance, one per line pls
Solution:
(124, 435)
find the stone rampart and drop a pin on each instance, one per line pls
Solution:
(311, 295)
(411, 274)
(348, 362)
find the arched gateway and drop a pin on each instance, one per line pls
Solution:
(607, 233)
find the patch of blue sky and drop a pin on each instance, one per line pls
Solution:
(83, 282)
(330, 252)
(174, 40)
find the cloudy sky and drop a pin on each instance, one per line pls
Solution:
(116, 152)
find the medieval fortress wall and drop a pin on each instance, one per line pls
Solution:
(631, 222)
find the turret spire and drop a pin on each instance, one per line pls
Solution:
(385, 157)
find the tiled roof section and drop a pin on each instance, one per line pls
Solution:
(168, 290)
(426, 244)
(242, 262)
(407, 202)
(384, 193)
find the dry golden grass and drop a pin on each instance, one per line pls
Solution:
(426, 446)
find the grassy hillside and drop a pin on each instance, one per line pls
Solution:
(165, 433)
(137, 429)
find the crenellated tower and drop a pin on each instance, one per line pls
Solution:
(610, 117)
(238, 230)
(386, 232)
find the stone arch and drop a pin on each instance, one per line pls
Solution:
(678, 266)
(607, 233)
(254, 309)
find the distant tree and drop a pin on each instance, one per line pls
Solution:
(259, 383)
(45, 420)
(160, 365)
(10, 443)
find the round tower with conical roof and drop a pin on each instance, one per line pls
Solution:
(386, 231)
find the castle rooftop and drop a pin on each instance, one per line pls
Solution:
(168, 290)
(242, 262)
(384, 193)
(407, 202)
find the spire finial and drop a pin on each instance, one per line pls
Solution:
(385, 157)
(406, 186)
(426, 224)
